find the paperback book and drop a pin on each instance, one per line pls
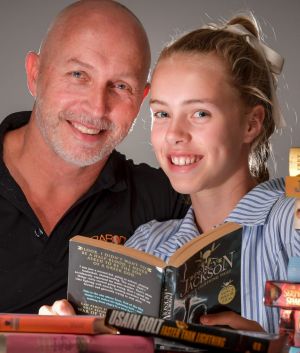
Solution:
(52, 324)
(196, 335)
(282, 294)
(203, 276)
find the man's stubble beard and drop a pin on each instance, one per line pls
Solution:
(48, 125)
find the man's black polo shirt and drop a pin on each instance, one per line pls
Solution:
(33, 266)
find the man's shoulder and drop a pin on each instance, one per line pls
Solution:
(150, 185)
(142, 172)
(15, 120)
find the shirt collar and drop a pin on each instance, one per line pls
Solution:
(112, 175)
(254, 208)
(188, 224)
(185, 230)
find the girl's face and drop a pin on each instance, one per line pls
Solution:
(199, 127)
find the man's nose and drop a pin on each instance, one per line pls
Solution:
(98, 101)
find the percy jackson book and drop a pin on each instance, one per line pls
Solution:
(202, 276)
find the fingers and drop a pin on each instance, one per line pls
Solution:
(232, 320)
(60, 307)
(46, 310)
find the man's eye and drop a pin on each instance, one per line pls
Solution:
(121, 86)
(161, 115)
(76, 74)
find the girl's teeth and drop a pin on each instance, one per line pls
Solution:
(184, 160)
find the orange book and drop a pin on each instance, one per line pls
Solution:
(53, 324)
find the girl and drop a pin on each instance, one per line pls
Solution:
(214, 109)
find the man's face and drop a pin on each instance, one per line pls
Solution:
(89, 89)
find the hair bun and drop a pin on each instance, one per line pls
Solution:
(246, 21)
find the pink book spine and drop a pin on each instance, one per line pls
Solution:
(38, 343)
(70, 343)
(120, 344)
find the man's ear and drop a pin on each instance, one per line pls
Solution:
(255, 119)
(32, 64)
(146, 90)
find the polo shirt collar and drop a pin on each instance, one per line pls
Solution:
(254, 208)
(112, 175)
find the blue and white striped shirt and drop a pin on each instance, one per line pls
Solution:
(269, 240)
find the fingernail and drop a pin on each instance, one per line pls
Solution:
(204, 320)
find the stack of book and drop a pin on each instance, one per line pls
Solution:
(26, 333)
(212, 338)
(286, 296)
(288, 293)
(124, 332)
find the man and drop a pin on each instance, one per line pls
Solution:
(60, 175)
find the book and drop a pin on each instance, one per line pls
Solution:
(294, 161)
(283, 294)
(162, 345)
(54, 324)
(197, 335)
(297, 328)
(71, 343)
(286, 320)
(202, 276)
(289, 325)
(292, 183)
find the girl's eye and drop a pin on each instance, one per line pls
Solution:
(201, 114)
(161, 115)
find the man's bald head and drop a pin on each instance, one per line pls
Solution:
(89, 80)
(107, 16)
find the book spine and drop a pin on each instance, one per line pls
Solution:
(195, 335)
(55, 324)
(297, 328)
(168, 293)
(37, 343)
(282, 294)
(68, 343)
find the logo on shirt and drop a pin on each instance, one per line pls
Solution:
(111, 238)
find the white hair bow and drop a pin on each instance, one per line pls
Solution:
(273, 60)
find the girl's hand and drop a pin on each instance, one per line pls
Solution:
(60, 307)
(231, 319)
